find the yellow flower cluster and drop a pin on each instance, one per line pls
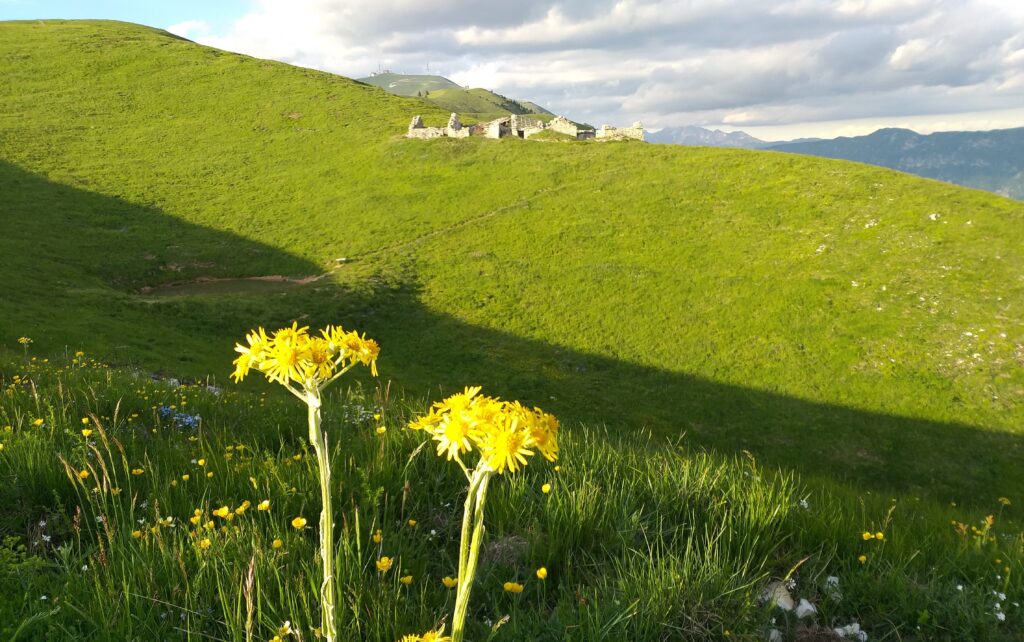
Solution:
(429, 636)
(504, 432)
(292, 354)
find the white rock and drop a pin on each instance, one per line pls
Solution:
(805, 609)
(777, 595)
(774, 635)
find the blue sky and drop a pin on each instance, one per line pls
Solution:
(777, 69)
(219, 14)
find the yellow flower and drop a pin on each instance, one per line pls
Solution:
(449, 582)
(208, 525)
(115, 491)
(243, 507)
(546, 488)
(513, 587)
(299, 523)
(406, 579)
(204, 543)
(201, 462)
(867, 536)
(185, 477)
(381, 430)
(384, 564)
(195, 519)
(24, 341)
(277, 543)
(222, 512)
(38, 422)
(862, 559)
(137, 471)
(86, 432)
(264, 505)
(411, 522)
(209, 474)
(1005, 501)
(542, 573)
(83, 474)
(435, 636)
(506, 445)
(136, 534)
(285, 629)
(85, 421)
(377, 537)
(879, 535)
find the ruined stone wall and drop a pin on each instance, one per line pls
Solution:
(607, 132)
(563, 125)
(426, 132)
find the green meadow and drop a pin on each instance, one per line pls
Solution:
(756, 357)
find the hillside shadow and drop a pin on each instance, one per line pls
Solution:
(70, 258)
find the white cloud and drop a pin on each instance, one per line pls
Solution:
(190, 29)
(670, 62)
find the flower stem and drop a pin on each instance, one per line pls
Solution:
(327, 592)
(468, 555)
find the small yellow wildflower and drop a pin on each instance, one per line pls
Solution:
(384, 564)
(195, 519)
(299, 523)
(86, 432)
(542, 573)
(277, 543)
(136, 534)
(83, 474)
(115, 491)
(137, 471)
(449, 582)
(209, 474)
(38, 422)
(879, 535)
(1005, 501)
(222, 512)
(406, 579)
(377, 537)
(85, 421)
(867, 536)
(204, 543)
(297, 457)
(513, 587)
(546, 488)
(185, 477)
(381, 430)
(243, 507)
(264, 505)
(285, 629)
(862, 559)
(24, 341)
(411, 522)
(201, 462)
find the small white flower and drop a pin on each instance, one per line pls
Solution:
(1001, 616)
(85, 567)
(47, 538)
(42, 523)
(959, 587)
(43, 597)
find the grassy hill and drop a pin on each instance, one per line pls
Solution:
(472, 104)
(409, 84)
(857, 326)
(750, 300)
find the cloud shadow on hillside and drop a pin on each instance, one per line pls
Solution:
(69, 244)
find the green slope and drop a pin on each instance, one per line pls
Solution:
(836, 319)
(409, 84)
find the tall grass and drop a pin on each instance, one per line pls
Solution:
(643, 539)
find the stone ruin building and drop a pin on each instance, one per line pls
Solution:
(522, 126)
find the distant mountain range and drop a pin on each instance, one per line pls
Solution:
(988, 160)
